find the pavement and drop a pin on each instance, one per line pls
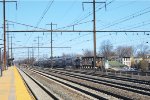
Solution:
(12, 86)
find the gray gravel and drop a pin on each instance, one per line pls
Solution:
(111, 80)
(62, 91)
(122, 92)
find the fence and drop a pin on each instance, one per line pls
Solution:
(131, 74)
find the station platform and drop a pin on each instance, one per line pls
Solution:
(12, 86)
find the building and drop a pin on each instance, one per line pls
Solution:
(87, 62)
(114, 65)
(148, 59)
(126, 61)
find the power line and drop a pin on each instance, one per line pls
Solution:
(88, 40)
(70, 7)
(144, 23)
(89, 14)
(44, 13)
(25, 25)
(85, 34)
(79, 43)
(127, 18)
(74, 24)
(74, 38)
(130, 40)
(36, 47)
(76, 31)
(78, 23)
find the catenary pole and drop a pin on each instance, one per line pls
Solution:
(94, 34)
(4, 30)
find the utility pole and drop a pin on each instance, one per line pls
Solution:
(38, 47)
(4, 26)
(51, 46)
(7, 50)
(38, 50)
(94, 28)
(94, 35)
(8, 42)
(32, 55)
(52, 43)
(11, 50)
(1, 73)
(28, 56)
(0, 57)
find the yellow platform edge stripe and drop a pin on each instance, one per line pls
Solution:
(27, 87)
(22, 92)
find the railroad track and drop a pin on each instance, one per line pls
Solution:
(107, 79)
(85, 90)
(141, 90)
(110, 84)
(110, 76)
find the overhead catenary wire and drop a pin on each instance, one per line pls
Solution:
(81, 35)
(88, 15)
(89, 40)
(79, 23)
(44, 13)
(35, 27)
(127, 18)
(69, 9)
(42, 16)
(141, 24)
(91, 13)
(43, 28)
(74, 24)
(121, 42)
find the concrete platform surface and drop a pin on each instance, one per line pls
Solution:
(38, 91)
(12, 86)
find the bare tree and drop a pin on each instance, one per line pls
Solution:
(87, 53)
(142, 50)
(66, 55)
(71, 55)
(124, 51)
(143, 65)
(106, 49)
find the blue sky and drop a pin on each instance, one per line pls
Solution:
(68, 12)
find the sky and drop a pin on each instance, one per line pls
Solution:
(118, 15)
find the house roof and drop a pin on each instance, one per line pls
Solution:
(126, 57)
(116, 64)
(92, 57)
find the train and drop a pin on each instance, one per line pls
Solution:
(78, 62)
(56, 63)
